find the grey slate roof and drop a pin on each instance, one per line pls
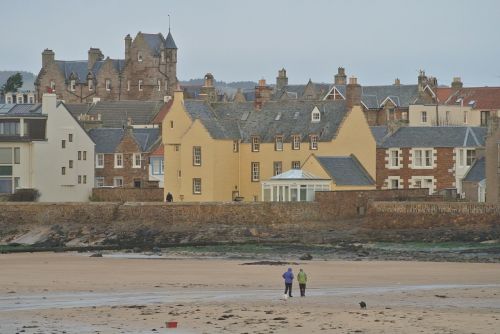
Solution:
(107, 139)
(477, 171)
(436, 136)
(373, 96)
(297, 91)
(287, 118)
(115, 114)
(169, 42)
(379, 133)
(80, 68)
(20, 110)
(346, 171)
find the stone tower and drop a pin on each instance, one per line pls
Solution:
(281, 80)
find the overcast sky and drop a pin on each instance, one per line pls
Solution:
(375, 40)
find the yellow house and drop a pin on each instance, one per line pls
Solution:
(220, 151)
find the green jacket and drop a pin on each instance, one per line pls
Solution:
(302, 277)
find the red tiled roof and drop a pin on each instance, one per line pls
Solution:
(163, 111)
(481, 97)
(158, 151)
(443, 93)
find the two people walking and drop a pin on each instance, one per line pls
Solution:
(301, 278)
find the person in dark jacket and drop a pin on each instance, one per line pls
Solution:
(288, 276)
(170, 198)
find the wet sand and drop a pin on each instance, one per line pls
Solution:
(73, 293)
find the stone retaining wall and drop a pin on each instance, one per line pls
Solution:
(127, 194)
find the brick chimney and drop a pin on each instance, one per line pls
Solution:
(422, 80)
(208, 92)
(128, 44)
(95, 55)
(457, 83)
(340, 77)
(353, 93)
(47, 57)
(263, 93)
(281, 79)
(397, 82)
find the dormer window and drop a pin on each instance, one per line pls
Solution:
(315, 115)
(91, 84)
(139, 56)
(72, 85)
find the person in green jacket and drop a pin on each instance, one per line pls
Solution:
(302, 279)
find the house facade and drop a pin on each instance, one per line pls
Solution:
(122, 157)
(44, 147)
(148, 72)
(219, 151)
(457, 106)
(436, 158)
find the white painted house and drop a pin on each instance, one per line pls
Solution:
(44, 147)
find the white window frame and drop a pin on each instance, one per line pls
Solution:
(72, 85)
(197, 186)
(255, 144)
(140, 86)
(99, 160)
(140, 58)
(118, 160)
(91, 85)
(255, 171)
(196, 155)
(134, 160)
(423, 117)
(394, 161)
(315, 116)
(162, 55)
(159, 85)
(277, 167)
(108, 85)
(52, 85)
(296, 164)
(295, 142)
(118, 181)
(128, 85)
(423, 162)
(313, 144)
(278, 143)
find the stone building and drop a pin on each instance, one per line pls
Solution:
(122, 157)
(148, 72)
(437, 157)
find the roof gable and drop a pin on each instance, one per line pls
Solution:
(346, 171)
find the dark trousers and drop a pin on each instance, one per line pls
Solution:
(288, 289)
(302, 289)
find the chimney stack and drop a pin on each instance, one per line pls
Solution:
(353, 93)
(47, 57)
(422, 81)
(263, 93)
(457, 83)
(340, 77)
(95, 55)
(397, 82)
(208, 92)
(128, 44)
(281, 79)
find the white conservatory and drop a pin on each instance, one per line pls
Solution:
(293, 186)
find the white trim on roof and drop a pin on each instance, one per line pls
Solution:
(330, 91)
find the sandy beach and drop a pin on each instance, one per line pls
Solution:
(74, 293)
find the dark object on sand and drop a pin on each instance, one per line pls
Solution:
(269, 263)
(96, 255)
(363, 305)
(440, 296)
(306, 257)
